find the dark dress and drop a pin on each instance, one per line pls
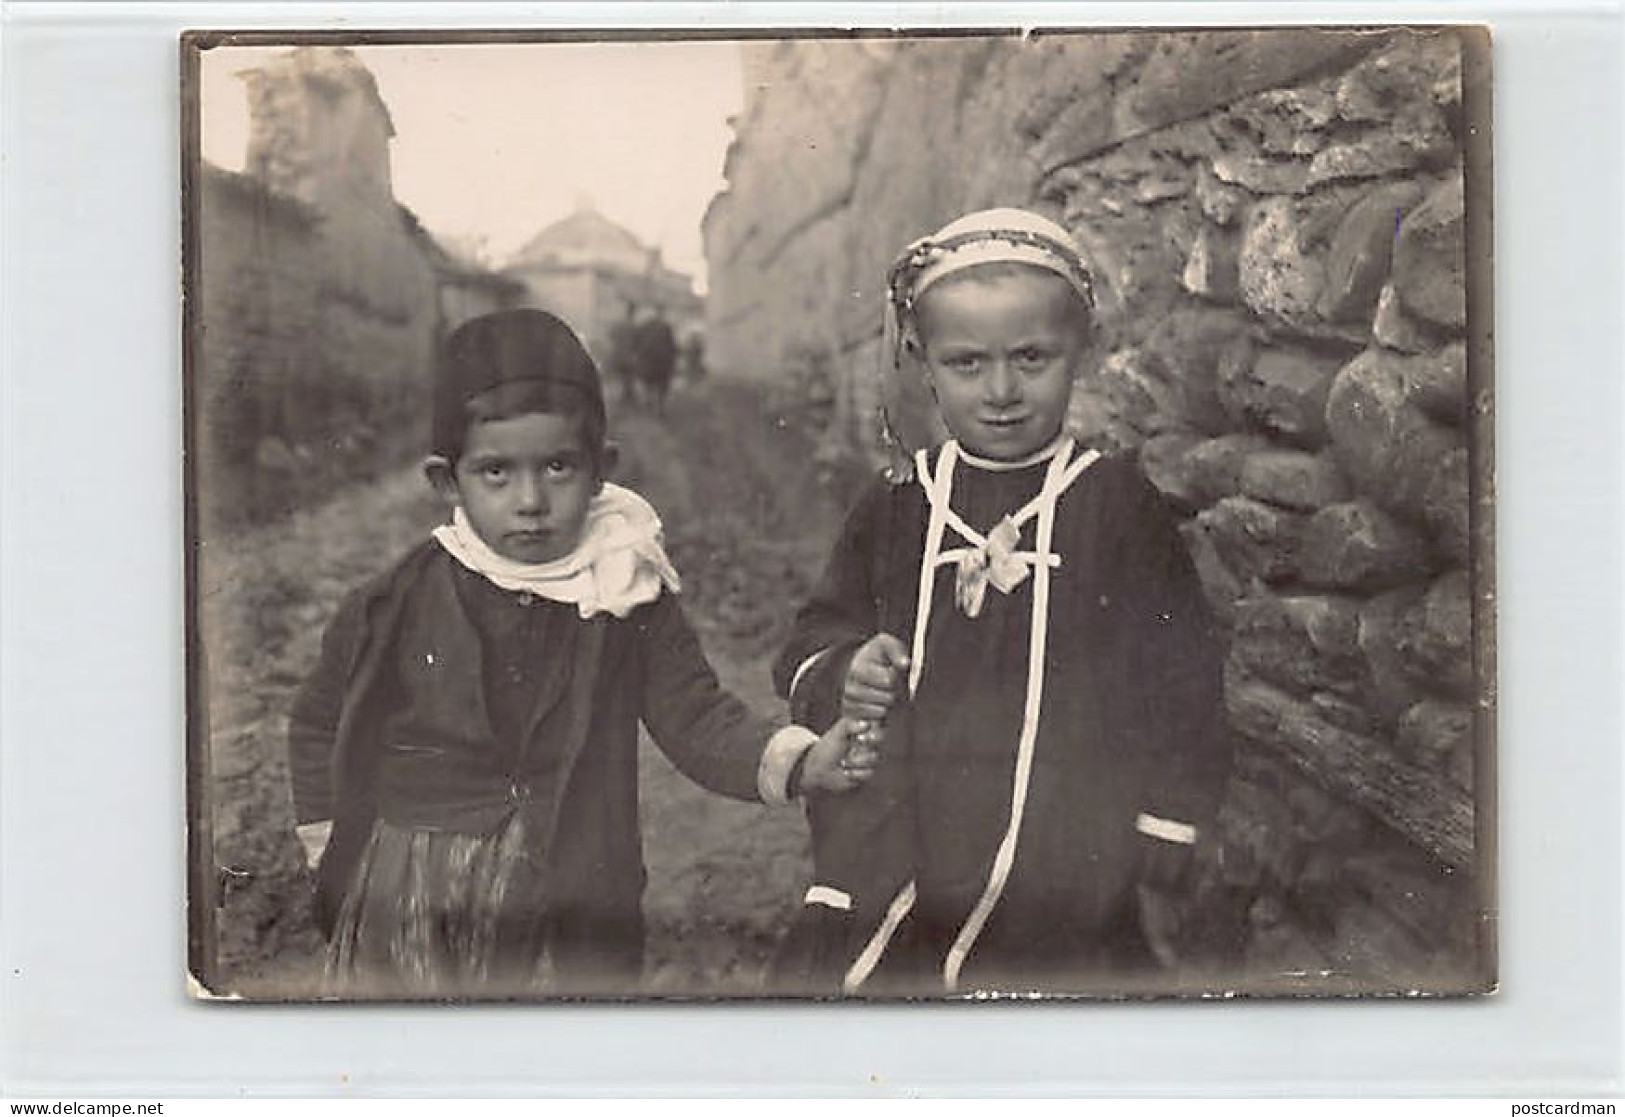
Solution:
(477, 750)
(982, 856)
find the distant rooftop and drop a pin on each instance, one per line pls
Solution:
(587, 238)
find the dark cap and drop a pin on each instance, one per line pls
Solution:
(503, 348)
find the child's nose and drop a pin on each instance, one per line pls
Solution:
(532, 494)
(1003, 385)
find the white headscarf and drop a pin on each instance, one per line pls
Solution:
(619, 564)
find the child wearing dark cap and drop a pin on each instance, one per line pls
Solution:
(1014, 625)
(464, 755)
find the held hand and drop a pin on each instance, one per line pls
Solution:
(837, 761)
(874, 679)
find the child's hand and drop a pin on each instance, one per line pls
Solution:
(875, 677)
(837, 761)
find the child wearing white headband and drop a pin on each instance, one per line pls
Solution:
(1016, 629)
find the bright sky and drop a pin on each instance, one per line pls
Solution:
(494, 142)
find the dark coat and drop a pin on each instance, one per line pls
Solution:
(1131, 722)
(648, 666)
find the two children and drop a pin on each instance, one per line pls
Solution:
(464, 755)
(1013, 633)
(1016, 628)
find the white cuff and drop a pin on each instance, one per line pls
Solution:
(1165, 828)
(784, 748)
(806, 665)
(825, 896)
(313, 836)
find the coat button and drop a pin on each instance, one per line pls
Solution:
(527, 598)
(518, 791)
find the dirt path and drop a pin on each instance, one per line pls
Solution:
(747, 524)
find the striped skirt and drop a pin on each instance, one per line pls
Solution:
(438, 915)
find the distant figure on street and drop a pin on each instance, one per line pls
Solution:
(656, 348)
(691, 368)
(623, 356)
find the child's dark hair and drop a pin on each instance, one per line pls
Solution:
(510, 363)
(535, 397)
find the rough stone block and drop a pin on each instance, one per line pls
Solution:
(1283, 390)
(1436, 638)
(1391, 691)
(1393, 328)
(1255, 540)
(1280, 279)
(1285, 121)
(1414, 136)
(1433, 731)
(1449, 506)
(1160, 186)
(1136, 390)
(1430, 258)
(1052, 71)
(1211, 268)
(1355, 768)
(1307, 642)
(1162, 457)
(1261, 174)
(1220, 202)
(1347, 713)
(1191, 73)
(1386, 445)
(1439, 383)
(1293, 479)
(1358, 546)
(1189, 341)
(1220, 585)
(1362, 250)
(1079, 130)
(1214, 466)
(1417, 68)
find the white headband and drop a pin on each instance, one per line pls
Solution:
(991, 236)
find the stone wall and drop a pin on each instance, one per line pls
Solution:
(321, 300)
(1276, 222)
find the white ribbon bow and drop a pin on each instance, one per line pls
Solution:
(994, 561)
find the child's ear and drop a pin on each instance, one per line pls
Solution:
(442, 478)
(609, 461)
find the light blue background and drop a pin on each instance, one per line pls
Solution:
(91, 690)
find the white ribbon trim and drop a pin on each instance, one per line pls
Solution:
(1004, 858)
(1166, 829)
(939, 493)
(825, 896)
(801, 672)
(872, 952)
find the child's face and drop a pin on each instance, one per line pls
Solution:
(1001, 352)
(524, 483)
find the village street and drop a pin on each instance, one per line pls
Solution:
(746, 523)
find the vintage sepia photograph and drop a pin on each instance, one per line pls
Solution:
(931, 515)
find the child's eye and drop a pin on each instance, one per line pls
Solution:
(494, 473)
(960, 363)
(561, 467)
(1031, 360)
